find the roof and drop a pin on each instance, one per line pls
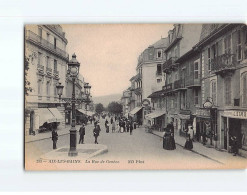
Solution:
(208, 29)
(163, 42)
(155, 94)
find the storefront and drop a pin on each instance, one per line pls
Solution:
(157, 119)
(186, 121)
(203, 124)
(233, 123)
(136, 114)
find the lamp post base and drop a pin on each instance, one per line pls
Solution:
(72, 148)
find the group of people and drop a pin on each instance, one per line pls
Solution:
(169, 141)
(120, 125)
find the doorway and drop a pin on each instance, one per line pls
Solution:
(235, 130)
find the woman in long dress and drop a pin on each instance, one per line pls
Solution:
(168, 140)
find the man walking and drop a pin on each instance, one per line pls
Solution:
(82, 133)
(54, 138)
(96, 133)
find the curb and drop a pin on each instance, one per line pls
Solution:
(102, 151)
(193, 151)
(45, 138)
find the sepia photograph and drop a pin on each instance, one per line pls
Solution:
(135, 96)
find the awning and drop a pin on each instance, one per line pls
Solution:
(56, 114)
(184, 116)
(135, 110)
(45, 116)
(88, 113)
(155, 114)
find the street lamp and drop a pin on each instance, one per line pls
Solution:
(208, 104)
(73, 71)
(87, 89)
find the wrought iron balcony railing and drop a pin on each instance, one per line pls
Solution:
(34, 38)
(168, 87)
(179, 84)
(138, 77)
(223, 64)
(170, 65)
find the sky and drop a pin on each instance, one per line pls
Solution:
(108, 53)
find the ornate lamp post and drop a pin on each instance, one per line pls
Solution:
(73, 71)
(208, 104)
(87, 89)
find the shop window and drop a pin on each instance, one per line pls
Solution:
(228, 91)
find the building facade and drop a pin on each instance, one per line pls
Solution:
(45, 47)
(223, 50)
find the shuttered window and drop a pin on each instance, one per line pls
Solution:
(244, 89)
(228, 91)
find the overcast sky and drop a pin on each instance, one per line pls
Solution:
(108, 53)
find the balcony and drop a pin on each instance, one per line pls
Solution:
(158, 73)
(138, 91)
(224, 64)
(179, 84)
(138, 77)
(56, 74)
(167, 88)
(40, 69)
(39, 41)
(48, 71)
(170, 65)
(191, 82)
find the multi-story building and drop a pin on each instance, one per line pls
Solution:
(149, 77)
(125, 101)
(181, 64)
(45, 47)
(223, 50)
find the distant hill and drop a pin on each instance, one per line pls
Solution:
(105, 100)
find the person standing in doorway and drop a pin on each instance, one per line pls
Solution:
(82, 133)
(54, 138)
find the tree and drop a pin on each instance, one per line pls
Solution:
(99, 108)
(115, 108)
(27, 83)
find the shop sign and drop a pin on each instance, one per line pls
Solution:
(235, 114)
(202, 112)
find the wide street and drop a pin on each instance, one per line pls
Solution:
(140, 147)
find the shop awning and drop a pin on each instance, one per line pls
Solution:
(155, 114)
(88, 113)
(56, 114)
(184, 116)
(135, 110)
(45, 116)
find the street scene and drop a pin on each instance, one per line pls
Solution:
(135, 96)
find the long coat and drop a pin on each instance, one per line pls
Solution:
(82, 131)
(54, 136)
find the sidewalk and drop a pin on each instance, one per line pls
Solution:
(222, 157)
(47, 135)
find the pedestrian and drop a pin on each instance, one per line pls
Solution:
(107, 126)
(54, 138)
(168, 140)
(234, 145)
(131, 128)
(113, 126)
(188, 144)
(96, 134)
(123, 125)
(171, 128)
(134, 125)
(128, 126)
(82, 133)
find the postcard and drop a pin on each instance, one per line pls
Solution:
(135, 96)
